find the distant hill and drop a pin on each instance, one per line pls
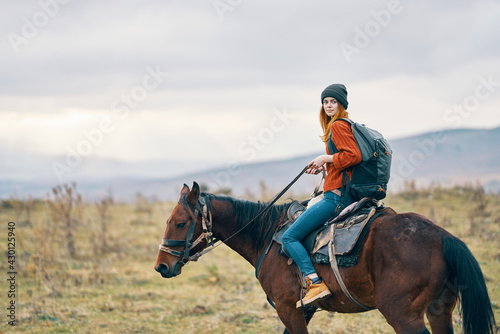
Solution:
(448, 157)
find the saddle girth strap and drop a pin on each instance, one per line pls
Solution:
(336, 272)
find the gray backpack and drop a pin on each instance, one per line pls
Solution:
(369, 177)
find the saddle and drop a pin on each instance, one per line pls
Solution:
(348, 230)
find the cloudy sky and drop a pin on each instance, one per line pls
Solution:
(210, 82)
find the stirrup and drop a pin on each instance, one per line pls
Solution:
(311, 306)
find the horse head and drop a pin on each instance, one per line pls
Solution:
(187, 233)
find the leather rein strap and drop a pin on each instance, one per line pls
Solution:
(315, 193)
(207, 227)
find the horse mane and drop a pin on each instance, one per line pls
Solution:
(262, 229)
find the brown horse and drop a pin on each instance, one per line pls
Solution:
(407, 266)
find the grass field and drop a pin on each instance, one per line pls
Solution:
(105, 283)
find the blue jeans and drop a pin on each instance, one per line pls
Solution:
(307, 222)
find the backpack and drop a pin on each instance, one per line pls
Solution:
(370, 177)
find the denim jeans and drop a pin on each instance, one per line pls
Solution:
(307, 222)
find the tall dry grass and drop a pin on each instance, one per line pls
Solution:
(103, 280)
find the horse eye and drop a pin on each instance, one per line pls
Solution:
(181, 225)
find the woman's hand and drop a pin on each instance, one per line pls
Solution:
(318, 164)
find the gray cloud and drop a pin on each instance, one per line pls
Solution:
(261, 55)
(89, 47)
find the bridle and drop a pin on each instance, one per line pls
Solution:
(206, 234)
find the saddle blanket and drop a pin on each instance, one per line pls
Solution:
(348, 228)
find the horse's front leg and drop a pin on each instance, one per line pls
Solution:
(293, 318)
(280, 282)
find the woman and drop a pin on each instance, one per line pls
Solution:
(334, 105)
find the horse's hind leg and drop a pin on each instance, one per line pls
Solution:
(406, 316)
(403, 325)
(439, 313)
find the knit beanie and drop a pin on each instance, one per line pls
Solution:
(337, 91)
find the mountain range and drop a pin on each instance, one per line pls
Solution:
(448, 157)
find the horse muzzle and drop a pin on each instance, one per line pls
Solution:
(167, 272)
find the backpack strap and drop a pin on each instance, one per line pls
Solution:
(331, 146)
(345, 120)
(346, 198)
(346, 181)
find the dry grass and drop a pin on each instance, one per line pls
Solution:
(109, 286)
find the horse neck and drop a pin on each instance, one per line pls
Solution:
(226, 225)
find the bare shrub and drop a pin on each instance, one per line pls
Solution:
(142, 204)
(29, 204)
(479, 214)
(103, 209)
(45, 278)
(17, 205)
(44, 236)
(409, 192)
(64, 205)
(265, 194)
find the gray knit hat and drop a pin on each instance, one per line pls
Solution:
(337, 91)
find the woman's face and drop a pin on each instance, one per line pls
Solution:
(331, 106)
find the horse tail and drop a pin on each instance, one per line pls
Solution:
(470, 287)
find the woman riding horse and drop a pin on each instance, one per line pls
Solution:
(334, 105)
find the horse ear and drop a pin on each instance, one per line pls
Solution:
(194, 194)
(184, 190)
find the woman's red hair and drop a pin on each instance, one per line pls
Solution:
(326, 121)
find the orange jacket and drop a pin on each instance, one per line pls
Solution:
(348, 155)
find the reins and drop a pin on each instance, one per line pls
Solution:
(270, 204)
(315, 193)
(195, 257)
